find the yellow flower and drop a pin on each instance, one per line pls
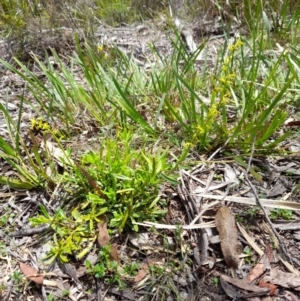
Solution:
(227, 95)
(213, 112)
(188, 145)
(224, 68)
(225, 98)
(234, 47)
(239, 43)
(231, 76)
(33, 122)
(231, 48)
(100, 48)
(199, 129)
(222, 79)
(39, 125)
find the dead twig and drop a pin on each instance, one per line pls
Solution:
(29, 232)
(98, 289)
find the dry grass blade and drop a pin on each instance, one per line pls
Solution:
(173, 227)
(250, 241)
(251, 201)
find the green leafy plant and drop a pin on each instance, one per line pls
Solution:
(116, 11)
(51, 297)
(281, 214)
(215, 281)
(65, 293)
(240, 219)
(247, 251)
(117, 181)
(107, 269)
(25, 160)
(131, 269)
(128, 180)
(253, 211)
(16, 277)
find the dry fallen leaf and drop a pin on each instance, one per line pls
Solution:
(31, 273)
(228, 233)
(240, 289)
(114, 255)
(283, 279)
(57, 153)
(142, 273)
(68, 269)
(290, 296)
(103, 237)
(271, 286)
(262, 266)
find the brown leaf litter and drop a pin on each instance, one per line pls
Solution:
(228, 234)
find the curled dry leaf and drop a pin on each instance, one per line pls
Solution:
(271, 286)
(31, 273)
(68, 269)
(228, 233)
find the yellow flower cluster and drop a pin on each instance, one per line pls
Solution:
(233, 47)
(40, 126)
(102, 52)
(228, 75)
(199, 130)
(228, 79)
(221, 97)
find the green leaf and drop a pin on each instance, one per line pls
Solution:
(15, 183)
(6, 148)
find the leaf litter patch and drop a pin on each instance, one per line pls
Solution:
(246, 264)
(216, 251)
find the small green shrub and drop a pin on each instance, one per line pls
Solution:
(115, 12)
